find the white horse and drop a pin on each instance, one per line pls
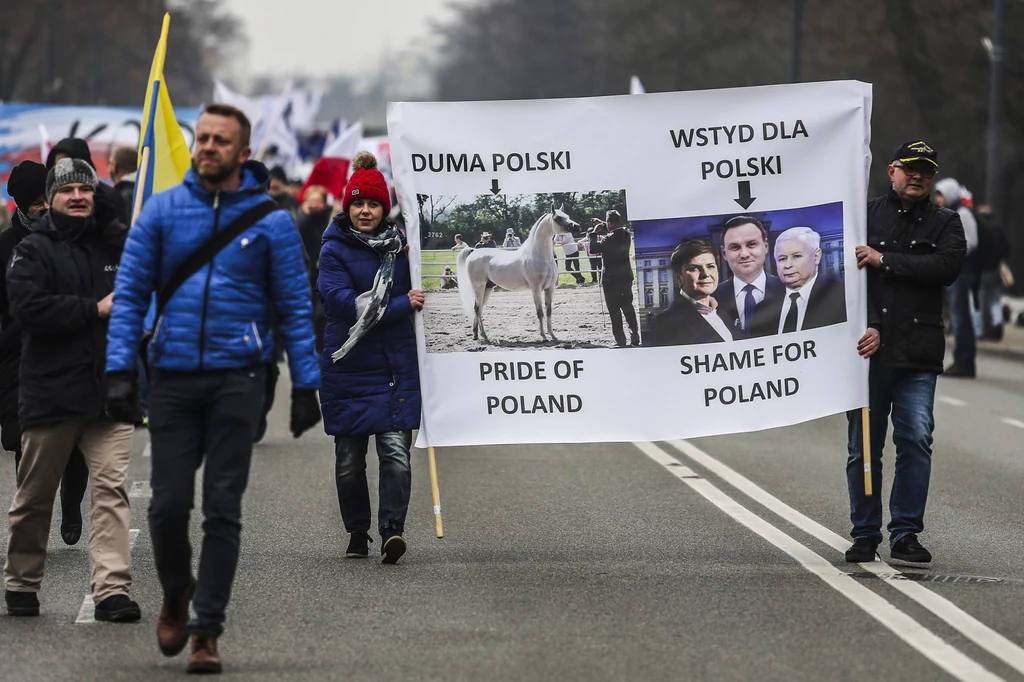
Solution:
(532, 266)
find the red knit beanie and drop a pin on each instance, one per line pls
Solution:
(366, 183)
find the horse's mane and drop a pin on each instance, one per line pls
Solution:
(533, 229)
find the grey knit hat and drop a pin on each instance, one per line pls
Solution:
(67, 171)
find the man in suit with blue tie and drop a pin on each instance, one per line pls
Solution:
(745, 248)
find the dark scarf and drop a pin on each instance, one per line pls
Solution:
(370, 305)
(70, 228)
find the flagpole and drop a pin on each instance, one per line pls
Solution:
(140, 184)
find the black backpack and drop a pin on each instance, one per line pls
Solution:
(993, 245)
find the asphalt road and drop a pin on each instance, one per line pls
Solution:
(719, 559)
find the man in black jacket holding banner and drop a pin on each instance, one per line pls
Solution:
(914, 249)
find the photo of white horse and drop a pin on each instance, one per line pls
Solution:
(530, 267)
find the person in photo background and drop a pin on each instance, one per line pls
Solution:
(459, 244)
(618, 277)
(572, 255)
(511, 240)
(810, 300)
(694, 316)
(448, 280)
(371, 382)
(745, 248)
(486, 242)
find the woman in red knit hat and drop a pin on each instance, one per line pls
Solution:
(370, 376)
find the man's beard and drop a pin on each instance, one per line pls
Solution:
(216, 175)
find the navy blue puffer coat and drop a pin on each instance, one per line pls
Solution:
(376, 386)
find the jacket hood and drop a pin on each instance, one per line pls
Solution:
(255, 180)
(75, 147)
(951, 190)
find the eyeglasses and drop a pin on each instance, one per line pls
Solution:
(920, 171)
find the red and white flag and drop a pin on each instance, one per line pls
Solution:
(331, 170)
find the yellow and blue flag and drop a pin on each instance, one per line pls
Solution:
(168, 156)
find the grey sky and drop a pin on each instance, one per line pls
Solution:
(314, 37)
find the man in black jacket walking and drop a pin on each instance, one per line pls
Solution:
(27, 184)
(618, 277)
(914, 249)
(60, 286)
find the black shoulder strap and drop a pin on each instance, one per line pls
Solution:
(209, 250)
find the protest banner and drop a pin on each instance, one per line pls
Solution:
(22, 126)
(714, 190)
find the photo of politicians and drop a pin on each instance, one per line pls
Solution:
(721, 278)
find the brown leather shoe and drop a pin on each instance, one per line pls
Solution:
(204, 658)
(172, 626)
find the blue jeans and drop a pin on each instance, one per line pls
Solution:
(395, 480)
(960, 293)
(909, 396)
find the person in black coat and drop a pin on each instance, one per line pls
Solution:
(618, 276)
(27, 185)
(811, 300)
(693, 316)
(60, 285)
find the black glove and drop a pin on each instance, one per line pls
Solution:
(305, 410)
(122, 400)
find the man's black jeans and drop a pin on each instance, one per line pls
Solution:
(195, 416)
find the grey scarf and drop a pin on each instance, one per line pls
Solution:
(370, 305)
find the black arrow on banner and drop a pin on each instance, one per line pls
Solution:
(744, 199)
(494, 186)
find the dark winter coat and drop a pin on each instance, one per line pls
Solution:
(923, 249)
(681, 324)
(56, 276)
(376, 386)
(615, 250)
(10, 343)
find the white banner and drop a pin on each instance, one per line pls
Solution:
(720, 226)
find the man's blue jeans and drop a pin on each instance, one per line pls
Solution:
(965, 343)
(395, 480)
(909, 396)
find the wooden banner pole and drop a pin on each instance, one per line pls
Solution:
(865, 413)
(140, 183)
(432, 460)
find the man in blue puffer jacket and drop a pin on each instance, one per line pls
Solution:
(208, 356)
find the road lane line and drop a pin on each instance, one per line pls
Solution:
(1013, 422)
(133, 535)
(148, 450)
(140, 489)
(964, 623)
(927, 643)
(86, 614)
(955, 402)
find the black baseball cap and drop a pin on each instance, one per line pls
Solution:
(916, 150)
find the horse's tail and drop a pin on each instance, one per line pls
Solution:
(466, 289)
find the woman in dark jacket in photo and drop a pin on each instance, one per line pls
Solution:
(370, 377)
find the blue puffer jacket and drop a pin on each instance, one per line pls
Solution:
(220, 317)
(376, 387)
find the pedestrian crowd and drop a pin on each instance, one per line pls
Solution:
(177, 321)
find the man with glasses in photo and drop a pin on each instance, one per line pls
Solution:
(914, 249)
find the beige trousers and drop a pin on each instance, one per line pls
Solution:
(107, 447)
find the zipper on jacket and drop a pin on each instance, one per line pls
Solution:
(256, 335)
(209, 276)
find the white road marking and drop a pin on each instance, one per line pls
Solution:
(140, 489)
(148, 450)
(86, 614)
(955, 402)
(1013, 422)
(927, 643)
(964, 623)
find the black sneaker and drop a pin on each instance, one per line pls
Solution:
(22, 603)
(907, 548)
(118, 609)
(958, 371)
(862, 551)
(358, 545)
(393, 547)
